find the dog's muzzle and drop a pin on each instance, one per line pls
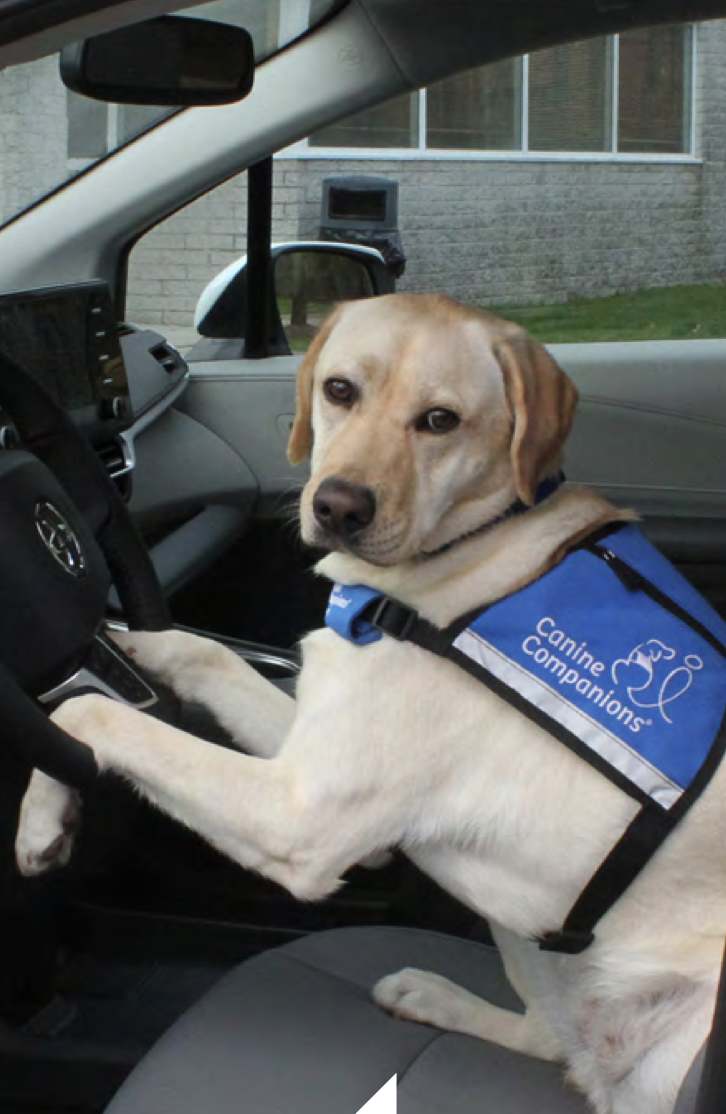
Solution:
(343, 508)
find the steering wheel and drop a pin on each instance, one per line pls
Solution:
(66, 536)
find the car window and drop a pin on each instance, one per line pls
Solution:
(49, 134)
(577, 190)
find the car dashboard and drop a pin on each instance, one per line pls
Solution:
(112, 379)
(189, 493)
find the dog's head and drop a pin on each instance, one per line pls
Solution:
(426, 419)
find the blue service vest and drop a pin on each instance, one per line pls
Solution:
(614, 653)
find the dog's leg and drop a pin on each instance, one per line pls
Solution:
(256, 713)
(270, 815)
(49, 816)
(638, 1051)
(428, 998)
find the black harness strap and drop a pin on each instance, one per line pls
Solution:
(405, 625)
(631, 853)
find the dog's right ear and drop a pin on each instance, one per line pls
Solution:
(542, 400)
(301, 434)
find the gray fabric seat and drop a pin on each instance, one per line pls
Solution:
(294, 1031)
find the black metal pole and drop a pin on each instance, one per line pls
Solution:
(259, 268)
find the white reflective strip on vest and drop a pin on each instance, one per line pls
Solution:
(613, 750)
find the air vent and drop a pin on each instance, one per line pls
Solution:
(168, 357)
(115, 458)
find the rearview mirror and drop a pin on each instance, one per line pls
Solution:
(172, 60)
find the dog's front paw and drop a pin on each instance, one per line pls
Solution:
(49, 818)
(175, 657)
(161, 652)
(415, 995)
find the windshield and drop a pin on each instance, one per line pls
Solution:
(49, 134)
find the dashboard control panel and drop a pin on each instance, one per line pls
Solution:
(67, 339)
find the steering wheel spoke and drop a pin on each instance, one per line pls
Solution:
(106, 670)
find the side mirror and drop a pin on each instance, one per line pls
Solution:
(309, 280)
(308, 285)
(172, 60)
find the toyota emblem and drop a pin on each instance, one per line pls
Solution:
(60, 538)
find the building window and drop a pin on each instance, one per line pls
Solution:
(653, 95)
(628, 94)
(476, 111)
(570, 97)
(393, 124)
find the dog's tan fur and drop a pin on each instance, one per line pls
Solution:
(387, 745)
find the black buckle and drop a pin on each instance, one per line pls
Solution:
(567, 941)
(393, 618)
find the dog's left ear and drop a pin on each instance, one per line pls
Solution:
(542, 400)
(301, 434)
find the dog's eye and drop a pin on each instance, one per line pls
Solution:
(340, 392)
(438, 420)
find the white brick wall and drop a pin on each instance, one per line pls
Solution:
(186, 251)
(494, 232)
(33, 133)
(486, 232)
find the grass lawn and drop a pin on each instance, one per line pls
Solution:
(663, 313)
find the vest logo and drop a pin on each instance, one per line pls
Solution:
(337, 599)
(651, 674)
(661, 684)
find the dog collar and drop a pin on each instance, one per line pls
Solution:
(345, 613)
(545, 489)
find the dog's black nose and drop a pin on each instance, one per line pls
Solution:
(344, 508)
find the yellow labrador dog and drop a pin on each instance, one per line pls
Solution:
(426, 420)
